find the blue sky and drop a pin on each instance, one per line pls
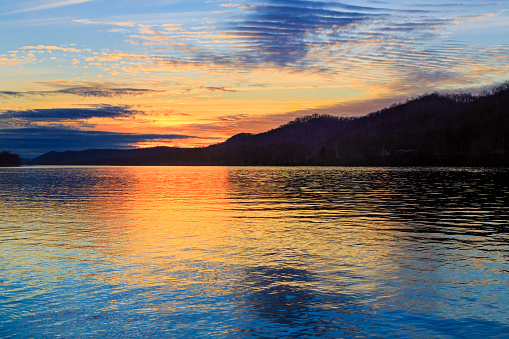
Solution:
(193, 73)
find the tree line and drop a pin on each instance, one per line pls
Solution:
(8, 159)
(436, 129)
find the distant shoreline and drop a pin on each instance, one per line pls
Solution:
(260, 166)
(431, 130)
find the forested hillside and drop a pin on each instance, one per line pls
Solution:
(8, 159)
(433, 129)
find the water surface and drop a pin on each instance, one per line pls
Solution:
(221, 252)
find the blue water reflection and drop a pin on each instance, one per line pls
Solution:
(253, 252)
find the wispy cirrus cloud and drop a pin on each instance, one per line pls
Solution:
(114, 23)
(451, 4)
(44, 5)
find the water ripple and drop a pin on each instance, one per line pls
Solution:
(219, 252)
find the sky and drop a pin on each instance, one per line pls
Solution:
(79, 74)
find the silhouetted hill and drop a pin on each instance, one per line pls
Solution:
(433, 129)
(97, 156)
(294, 143)
(8, 159)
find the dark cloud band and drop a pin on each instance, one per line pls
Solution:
(66, 114)
(85, 92)
(31, 142)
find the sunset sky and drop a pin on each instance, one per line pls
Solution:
(78, 74)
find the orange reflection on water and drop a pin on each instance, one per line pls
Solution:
(176, 217)
(153, 223)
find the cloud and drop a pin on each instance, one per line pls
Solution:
(296, 35)
(474, 18)
(55, 48)
(215, 89)
(31, 142)
(28, 117)
(105, 92)
(15, 61)
(43, 5)
(114, 23)
(115, 56)
(290, 33)
(284, 32)
(359, 45)
(458, 4)
(12, 94)
(86, 91)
